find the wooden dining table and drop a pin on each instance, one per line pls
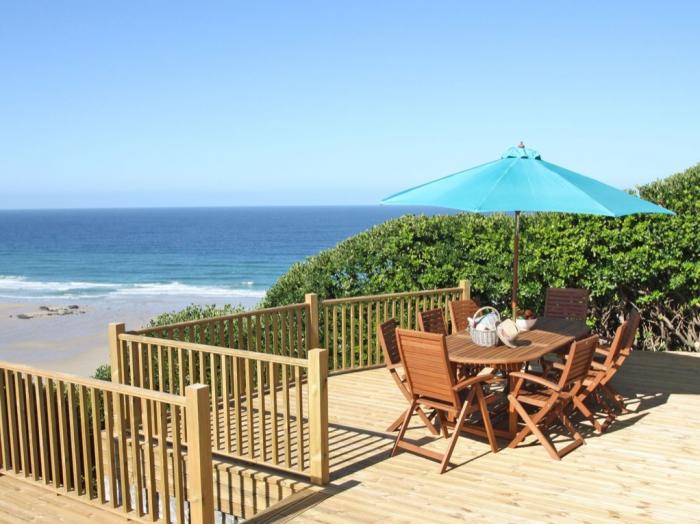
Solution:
(548, 335)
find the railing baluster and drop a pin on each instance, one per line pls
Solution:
(97, 443)
(262, 437)
(178, 478)
(237, 397)
(108, 400)
(32, 428)
(85, 441)
(162, 422)
(22, 423)
(43, 429)
(273, 410)
(300, 418)
(226, 398)
(342, 336)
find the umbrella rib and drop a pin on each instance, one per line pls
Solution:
(384, 200)
(490, 192)
(608, 212)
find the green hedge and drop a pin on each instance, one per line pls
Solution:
(649, 262)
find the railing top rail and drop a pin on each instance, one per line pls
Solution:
(389, 296)
(165, 398)
(204, 348)
(244, 314)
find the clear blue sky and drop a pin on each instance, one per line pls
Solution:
(245, 103)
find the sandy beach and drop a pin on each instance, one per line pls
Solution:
(77, 342)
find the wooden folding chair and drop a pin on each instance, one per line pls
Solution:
(386, 333)
(432, 321)
(591, 384)
(552, 400)
(432, 383)
(460, 311)
(597, 382)
(569, 303)
(626, 346)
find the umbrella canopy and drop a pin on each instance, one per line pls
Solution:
(520, 181)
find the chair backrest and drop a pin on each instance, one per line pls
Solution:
(386, 333)
(569, 303)
(633, 321)
(578, 362)
(427, 366)
(616, 345)
(432, 321)
(460, 311)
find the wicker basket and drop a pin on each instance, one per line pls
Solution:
(484, 338)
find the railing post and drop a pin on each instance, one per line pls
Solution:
(312, 300)
(200, 483)
(115, 329)
(466, 289)
(318, 415)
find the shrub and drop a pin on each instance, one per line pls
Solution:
(103, 372)
(649, 262)
(194, 312)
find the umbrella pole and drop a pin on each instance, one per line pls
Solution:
(516, 256)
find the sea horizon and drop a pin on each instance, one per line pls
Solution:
(210, 254)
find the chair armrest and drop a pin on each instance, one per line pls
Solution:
(537, 380)
(602, 350)
(558, 365)
(598, 366)
(471, 381)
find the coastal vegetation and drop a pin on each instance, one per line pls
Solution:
(649, 262)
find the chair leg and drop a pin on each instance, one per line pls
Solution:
(443, 424)
(581, 406)
(615, 397)
(532, 426)
(426, 420)
(455, 435)
(404, 425)
(486, 418)
(578, 439)
(397, 423)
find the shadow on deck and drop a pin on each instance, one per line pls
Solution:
(644, 468)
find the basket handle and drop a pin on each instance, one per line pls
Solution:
(477, 316)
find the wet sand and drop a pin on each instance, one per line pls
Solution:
(77, 343)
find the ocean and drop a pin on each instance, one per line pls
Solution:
(202, 252)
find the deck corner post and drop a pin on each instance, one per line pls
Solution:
(115, 329)
(318, 416)
(313, 323)
(466, 287)
(200, 482)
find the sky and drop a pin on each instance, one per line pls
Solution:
(132, 103)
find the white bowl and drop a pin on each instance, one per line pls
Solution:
(525, 324)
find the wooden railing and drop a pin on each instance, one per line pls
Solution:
(280, 331)
(265, 408)
(125, 449)
(348, 326)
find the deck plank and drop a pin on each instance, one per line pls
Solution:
(645, 468)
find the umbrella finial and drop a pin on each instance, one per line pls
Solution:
(521, 145)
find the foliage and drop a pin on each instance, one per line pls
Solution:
(650, 262)
(194, 312)
(103, 372)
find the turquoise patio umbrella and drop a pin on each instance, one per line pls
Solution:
(521, 182)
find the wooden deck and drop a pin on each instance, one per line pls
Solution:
(22, 502)
(645, 468)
